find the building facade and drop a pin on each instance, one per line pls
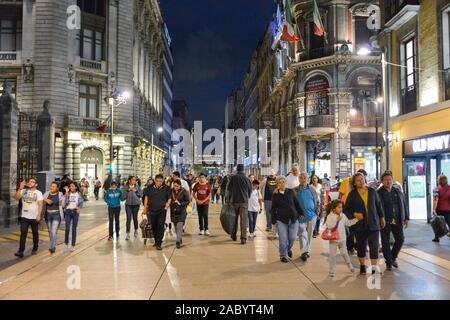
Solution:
(320, 92)
(416, 42)
(74, 60)
(167, 95)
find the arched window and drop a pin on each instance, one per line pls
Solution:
(317, 107)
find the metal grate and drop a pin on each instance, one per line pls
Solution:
(27, 146)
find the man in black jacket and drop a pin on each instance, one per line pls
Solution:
(239, 189)
(396, 215)
(156, 204)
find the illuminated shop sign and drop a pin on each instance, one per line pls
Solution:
(432, 144)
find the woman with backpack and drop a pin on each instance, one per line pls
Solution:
(179, 200)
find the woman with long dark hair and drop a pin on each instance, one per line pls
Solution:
(180, 199)
(132, 194)
(73, 202)
(364, 200)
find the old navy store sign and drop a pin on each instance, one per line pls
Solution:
(433, 144)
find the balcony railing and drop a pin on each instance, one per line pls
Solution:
(327, 121)
(98, 66)
(81, 123)
(10, 57)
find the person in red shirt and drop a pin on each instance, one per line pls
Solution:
(202, 194)
(441, 203)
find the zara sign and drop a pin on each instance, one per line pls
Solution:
(432, 144)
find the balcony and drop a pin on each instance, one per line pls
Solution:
(91, 65)
(400, 12)
(327, 121)
(10, 57)
(82, 124)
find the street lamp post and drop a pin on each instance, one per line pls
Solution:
(121, 97)
(159, 130)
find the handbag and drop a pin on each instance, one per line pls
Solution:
(176, 208)
(146, 229)
(331, 234)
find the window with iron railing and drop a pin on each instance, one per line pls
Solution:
(10, 34)
(89, 101)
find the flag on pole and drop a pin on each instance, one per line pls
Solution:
(288, 34)
(319, 30)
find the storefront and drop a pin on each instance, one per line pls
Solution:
(318, 157)
(424, 159)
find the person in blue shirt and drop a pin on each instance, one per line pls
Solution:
(309, 201)
(112, 199)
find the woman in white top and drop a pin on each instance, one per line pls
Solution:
(336, 219)
(255, 203)
(73, 203)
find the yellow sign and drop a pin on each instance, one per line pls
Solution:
(360, 160)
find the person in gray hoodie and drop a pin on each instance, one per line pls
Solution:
(132, 195)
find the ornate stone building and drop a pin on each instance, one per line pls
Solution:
(48, 54)
(320, 92)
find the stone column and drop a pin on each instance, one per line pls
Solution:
(120, 161)
(289, 132)
(76, 162)
(46, 139)
(342, 145)
(9, 114)
(68, 158)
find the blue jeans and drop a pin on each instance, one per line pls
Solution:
(287, 235)
(252, 216)
(267, 205)
(53, 223)
(71, 215)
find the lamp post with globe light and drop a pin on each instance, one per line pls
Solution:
(115, 99)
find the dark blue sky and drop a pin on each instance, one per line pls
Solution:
(212, 44)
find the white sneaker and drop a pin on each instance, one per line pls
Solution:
(276, 236)
(351, 268)
(128, 236)
(252, 235)
(136, 233)
(201, 233)
(72, 249)
(207, 233)
(66, 248)
(331, 274)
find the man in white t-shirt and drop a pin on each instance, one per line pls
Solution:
(292, 180)
(31, 214)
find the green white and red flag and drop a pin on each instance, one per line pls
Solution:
(319, 29)
(289, 34)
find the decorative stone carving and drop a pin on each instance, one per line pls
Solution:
(343, 129)
(71, 73)
(28, 71)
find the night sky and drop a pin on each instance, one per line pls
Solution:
(212, 43)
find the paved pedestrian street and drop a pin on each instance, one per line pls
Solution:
(217, 268)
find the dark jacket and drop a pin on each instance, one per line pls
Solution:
(402, 204)
(157, 199)
(285, 207)
(183, 197)
(132, 198)
(239, 188)
(372, 218)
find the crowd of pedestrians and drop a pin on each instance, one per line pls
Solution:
(295, 207)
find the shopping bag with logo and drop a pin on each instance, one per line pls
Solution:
(331, 233)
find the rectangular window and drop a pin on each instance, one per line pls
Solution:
(91, 44)
(410, 59)
(95, 7)
(7, 35)
(89, 101)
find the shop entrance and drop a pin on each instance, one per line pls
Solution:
(91, 165)
(416, 188)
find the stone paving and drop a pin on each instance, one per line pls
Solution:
(217, 268)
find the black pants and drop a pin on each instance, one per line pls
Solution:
(96, 190)
(367, 237)
(391, 254)
(24, 226)
(203, 216)
(351, 242)
(114, 216)
(157, 220)
(132, 211)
